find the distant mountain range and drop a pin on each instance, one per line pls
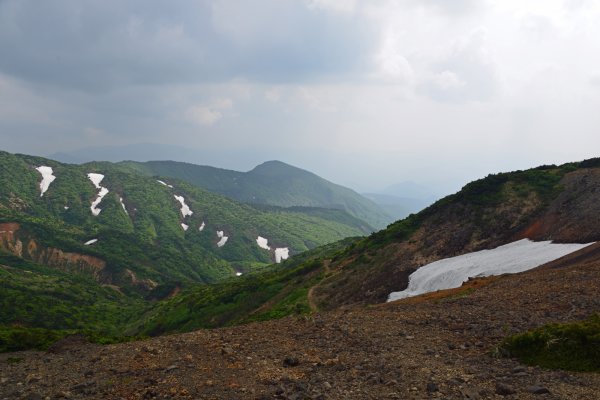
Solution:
(398, 207)
(272, 183)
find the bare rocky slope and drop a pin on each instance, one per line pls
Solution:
(435, 346)
(548, 203)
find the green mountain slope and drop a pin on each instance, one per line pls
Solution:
(272, 183)
(560, 203)
(551, 202)
(141, 241)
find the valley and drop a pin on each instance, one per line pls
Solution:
(315, 325)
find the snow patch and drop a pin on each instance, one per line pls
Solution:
(281, 253)
(511, 258)
(201, 227)
(263, 243)
(47, 178)
(184, 226)
(185, 210)
(123, 205)
(223, 238)
(96, 179)
(66, 207)
(238, 274)
(89, 242)
(164, 183)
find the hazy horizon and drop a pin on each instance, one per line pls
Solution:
(365, 94)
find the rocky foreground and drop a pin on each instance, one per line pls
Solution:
(438, 346)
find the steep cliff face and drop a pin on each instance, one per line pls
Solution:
(17, 242)
(560, 204)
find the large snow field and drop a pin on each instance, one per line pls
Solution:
(47, 178)
(511, 258)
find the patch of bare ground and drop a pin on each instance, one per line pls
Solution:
(435, 346)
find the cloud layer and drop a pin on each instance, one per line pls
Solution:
(365, 93)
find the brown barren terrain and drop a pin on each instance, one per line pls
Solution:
(440, 345)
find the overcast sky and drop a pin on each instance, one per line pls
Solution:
(364, 93)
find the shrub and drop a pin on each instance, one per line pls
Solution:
(573, 346)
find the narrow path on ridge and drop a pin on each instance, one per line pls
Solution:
(310, 295)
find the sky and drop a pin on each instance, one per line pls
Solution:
(364, 93)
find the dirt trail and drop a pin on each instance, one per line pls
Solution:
(311, 298)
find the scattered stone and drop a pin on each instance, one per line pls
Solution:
(432, 387)
(504, 389)
(171, 368)
(33, 396)
(536, 389)
(519, 369)
(471, 394)
(290, 362)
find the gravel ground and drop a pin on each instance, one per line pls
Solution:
(437, 346)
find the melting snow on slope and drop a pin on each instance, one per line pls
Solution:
(164, 183)
(201, 228)
(514, 257)
(282, 253)
(185, 210)
(96, 179)
(223, 238)
(263, 243)
(123, 205)
(47, 178)
(90, 242)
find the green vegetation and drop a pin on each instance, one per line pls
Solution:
(572, 346)
(271, 183)
(16, 338)
(33, 295)
(275, 293)
(148, 239)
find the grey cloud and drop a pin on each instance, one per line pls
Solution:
(95, 45)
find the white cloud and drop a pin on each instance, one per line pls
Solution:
(391, 64)
(273, 95)
(208, 114)
(342, 6)
(203, 115)
(448, 80)
(93, 132)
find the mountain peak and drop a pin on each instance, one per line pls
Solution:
(277, 168)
